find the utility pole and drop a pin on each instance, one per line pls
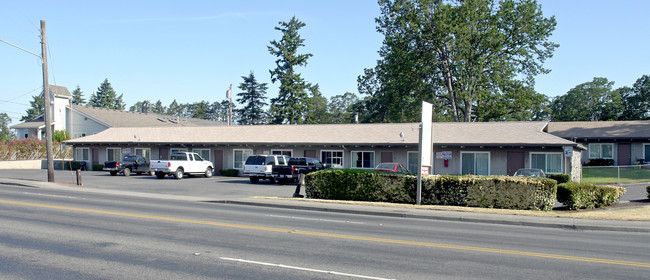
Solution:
(229, 96)
(46, 107)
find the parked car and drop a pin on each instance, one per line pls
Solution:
(129, 164)
(259, 167)
(295, 167)
(180, 164)
(530, 172)
(391, 167)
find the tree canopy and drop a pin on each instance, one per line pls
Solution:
(78, 96)
(105, 97)
(252, 97)
(292, 102)
(590, 101)
(5, 133)
(462, 56)
(36, 108)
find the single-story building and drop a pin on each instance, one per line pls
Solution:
(493, 148)
(625, 142)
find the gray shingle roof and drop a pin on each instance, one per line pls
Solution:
(470, 134)
(60, 91)
(601, 130)
(116, 118)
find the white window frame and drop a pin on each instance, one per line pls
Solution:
(79, 154)
(341, 159)
(245, 154)
(546, 154)
(489, 163)
(600, 150)
(119, 157)
(280, 152)
(203, 156)
(146, 155)
(415, 154)
(352, 159)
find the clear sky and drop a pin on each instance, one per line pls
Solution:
(193, 50)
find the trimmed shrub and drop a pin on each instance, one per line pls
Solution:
(229, 172)
(477, 191)
(587, 196)
(600, 162)
(98, 167)
(647, 189)
(560, 178)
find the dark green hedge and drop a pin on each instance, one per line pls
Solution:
(647, 189)
(98, 167)
(560, 178)
(229, 172)
(601, 162)
(586, 196)
(477, 191)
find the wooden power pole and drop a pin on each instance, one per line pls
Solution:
(46, 107)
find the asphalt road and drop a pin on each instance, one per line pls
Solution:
(71, 234)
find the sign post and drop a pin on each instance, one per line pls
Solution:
(424, 147)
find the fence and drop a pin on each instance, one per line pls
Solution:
(624, 174)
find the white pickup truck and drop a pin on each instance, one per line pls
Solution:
(180, 164)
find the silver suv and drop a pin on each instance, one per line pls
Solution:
(261, 166)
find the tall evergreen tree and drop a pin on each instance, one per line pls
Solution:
(105, 97)
(159, 108)
(78, 96)
(36, 108)
(174, 109)
(252, 99)
(291, 104)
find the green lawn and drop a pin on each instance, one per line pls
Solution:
(609, 175)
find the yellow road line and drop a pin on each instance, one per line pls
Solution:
(334, 235)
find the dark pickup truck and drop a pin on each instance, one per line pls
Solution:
(129, 164)
(295, 167)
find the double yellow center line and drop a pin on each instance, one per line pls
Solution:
(334, 235)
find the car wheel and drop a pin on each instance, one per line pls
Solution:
(272, 180)
(127, 172)
(113, 173)
(208, 172)
(254, 180)
(179, 173)
(160, 175)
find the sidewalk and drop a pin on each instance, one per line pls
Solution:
(367, 209)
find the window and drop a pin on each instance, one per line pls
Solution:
(333, 158)
(144, 152)
(601, 150)
(363, 159)
(178, 150)
(282, 152)
(113, 154)
(240, 156)
(476, 163)
(205, 153)
(82, 154)
(412, 158)
(549, 162)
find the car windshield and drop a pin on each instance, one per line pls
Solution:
(385, 166)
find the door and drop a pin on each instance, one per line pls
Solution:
(624, 154)
(163, 154)
(218, 161)
(95, 156)
(515, 161)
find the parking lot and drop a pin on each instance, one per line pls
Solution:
(215, 188)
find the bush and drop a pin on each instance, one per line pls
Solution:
(647, 189)
(98, 167)
(229, 172)
(600, 162)
(587, 196)
(478, 191)
(73, 165)
(560, 178)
